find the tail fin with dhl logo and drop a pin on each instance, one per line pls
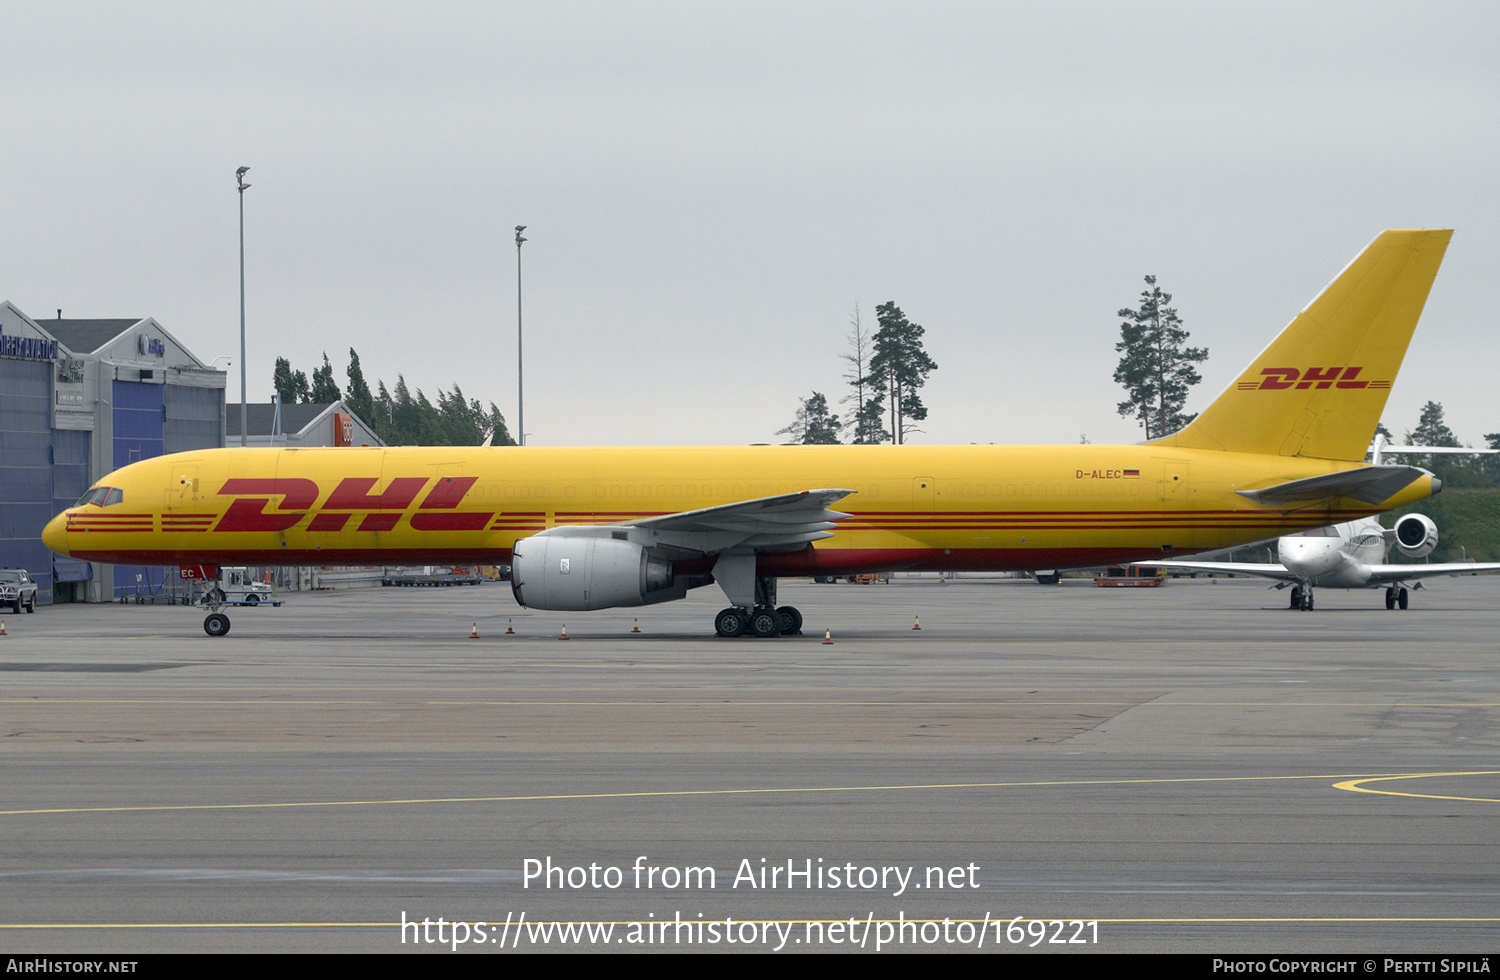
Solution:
(1320, 387)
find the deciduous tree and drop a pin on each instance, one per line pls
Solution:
(325, 390)
(869, 400)
(357, 395)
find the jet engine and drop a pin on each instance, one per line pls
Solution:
(1416, 535)
(581, 569)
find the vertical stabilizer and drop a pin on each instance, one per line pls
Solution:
(1320, 388)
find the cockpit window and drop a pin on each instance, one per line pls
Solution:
(101, 497)
(1319, 532)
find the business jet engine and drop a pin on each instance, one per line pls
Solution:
(569, 568)
(1416, 535)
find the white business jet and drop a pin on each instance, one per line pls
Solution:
(1352, 555)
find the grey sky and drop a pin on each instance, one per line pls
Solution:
(710, 188)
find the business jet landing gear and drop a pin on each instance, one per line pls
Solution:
(764, 619)
(1396, 596)
(1301, 598)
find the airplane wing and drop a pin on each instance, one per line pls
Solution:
(1409, 573)
(785, 522)
(612, 572)
(1264, 570)
(802, 513)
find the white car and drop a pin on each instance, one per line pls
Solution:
(17, 589)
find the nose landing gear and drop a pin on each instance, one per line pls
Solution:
(214, 600)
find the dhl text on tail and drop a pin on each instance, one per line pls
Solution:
(1280, 451)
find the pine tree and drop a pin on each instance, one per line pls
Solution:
(814, 424)
(1454, 469)
(1431, 430)
(899, 366)
(1155, 368)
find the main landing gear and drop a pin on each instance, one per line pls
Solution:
(764, 619)
(1395, 596)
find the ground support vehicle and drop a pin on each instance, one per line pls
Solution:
(433, 575)
(17, 590)
(225, 587)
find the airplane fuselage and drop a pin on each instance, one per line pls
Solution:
(1340, 558)
(944, 508)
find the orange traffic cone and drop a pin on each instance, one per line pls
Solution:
(637, 627)
(2, 627)
(509, 627)
(828, 637)
(564, 632)
(918, 624)
(474, 635)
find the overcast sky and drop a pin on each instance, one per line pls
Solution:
(710, 188)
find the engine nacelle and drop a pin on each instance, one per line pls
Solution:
(568, 571)
(1416, 535)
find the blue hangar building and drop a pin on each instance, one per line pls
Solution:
(78, 400)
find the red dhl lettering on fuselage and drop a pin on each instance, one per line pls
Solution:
(1280, 379)
(252, 512)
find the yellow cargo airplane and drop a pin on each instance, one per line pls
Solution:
(1279, 452)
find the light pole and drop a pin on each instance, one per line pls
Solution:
(239, 175)
(520, 362)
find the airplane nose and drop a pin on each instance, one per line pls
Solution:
(1295, 554)
(55, 534)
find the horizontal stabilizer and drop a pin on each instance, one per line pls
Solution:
(1372, 484)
